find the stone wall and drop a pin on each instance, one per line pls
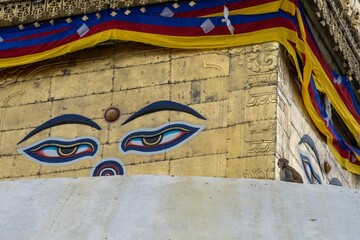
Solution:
(297, 138)
(224, 113)
(235, 90)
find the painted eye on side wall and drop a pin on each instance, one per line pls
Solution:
(157, 140)
(56, 151)
(310, 172)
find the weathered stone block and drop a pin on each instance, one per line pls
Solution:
(161, 168)
(252, 104)
(16, 167)
(26, 92)
(9, 140)
(252, 139)
(208, 142)
(84, 84)
(199, 67)
(132, 54)
(89, 106)
(26, 116)
(210, 165)
(141, 76)
(132, 100)
(63, 174)
(198, 91)
(214, 112)
(261, 167)
(83, 165)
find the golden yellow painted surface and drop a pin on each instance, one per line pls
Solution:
(82, 84)
(161, 167)
(261, 167)
(208, 165)
(234, 89)
(16, 167)
(200, 67)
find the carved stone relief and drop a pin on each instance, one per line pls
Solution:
(267, 173)
(263, 57)
(10, 75)
(260, 138)
(261, 96)
(261, 79)
(261, 64)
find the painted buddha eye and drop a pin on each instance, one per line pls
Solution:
(55, 151)
(311, 174)
(309, 171)
(157, 140)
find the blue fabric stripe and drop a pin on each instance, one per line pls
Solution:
(133, 18)
(340, 139)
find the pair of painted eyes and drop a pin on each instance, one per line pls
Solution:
(145, 141)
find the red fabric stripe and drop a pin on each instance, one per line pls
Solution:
(171, 31)
(340, 90)
(197, 31)
(345, 96)
(37, 48)
(342, 152)
(38, 35)
(220, 8)
(313, 100)
(296, 2)
(342, 93)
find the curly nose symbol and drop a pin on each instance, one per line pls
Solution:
(108, 167)
(112, 114)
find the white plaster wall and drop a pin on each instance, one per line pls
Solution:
(165, 207)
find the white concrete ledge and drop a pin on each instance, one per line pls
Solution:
(164, 207)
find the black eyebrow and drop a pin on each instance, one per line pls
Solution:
(161, 106)
(60, 120)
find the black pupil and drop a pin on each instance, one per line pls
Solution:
(66, 151)
(151, 140)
